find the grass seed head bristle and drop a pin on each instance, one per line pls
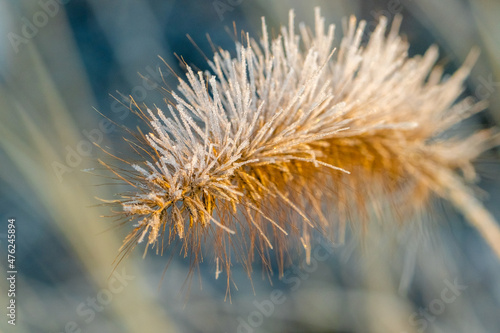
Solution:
(250, 153)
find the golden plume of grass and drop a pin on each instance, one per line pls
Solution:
(292, 135)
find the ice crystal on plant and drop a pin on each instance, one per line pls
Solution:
(252, 152)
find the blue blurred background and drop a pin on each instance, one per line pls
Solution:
(61, 59)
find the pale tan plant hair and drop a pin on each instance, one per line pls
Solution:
(291, 136)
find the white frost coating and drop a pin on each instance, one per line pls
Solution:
(279, 101)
